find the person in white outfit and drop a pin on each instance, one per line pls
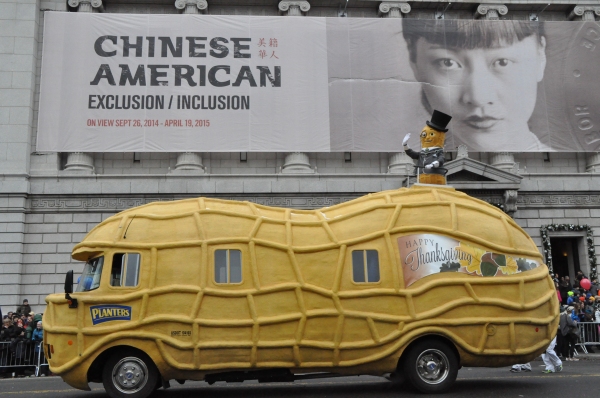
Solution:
(551, 360)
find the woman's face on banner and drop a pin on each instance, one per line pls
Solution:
(490, 92)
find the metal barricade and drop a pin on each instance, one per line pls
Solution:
(589, 334)
(22, 354)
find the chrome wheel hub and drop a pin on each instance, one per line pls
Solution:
(130, 375)
(433, 366)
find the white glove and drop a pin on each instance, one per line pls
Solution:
(405, 140)
(432, 165)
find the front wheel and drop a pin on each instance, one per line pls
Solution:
(431, 366)
(130, 375)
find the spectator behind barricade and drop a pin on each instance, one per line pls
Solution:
(38, 339)
(564, 288)
(25, 308)
(560, 300)
(32, 325)
(9, 331)
(570, 297)
(570, 332)
(568, 282)
(594, 287)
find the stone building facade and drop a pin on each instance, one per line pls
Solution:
(49, 201)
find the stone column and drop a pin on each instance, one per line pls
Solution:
(510, 202)
(296, 162)
(78, 161)
(192, 6)
(398, 162)
(504, 161)
(393, 9)
(293, 8)
(584, 13)
(491, 11)
(190, 162)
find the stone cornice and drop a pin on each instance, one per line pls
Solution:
(78, 204)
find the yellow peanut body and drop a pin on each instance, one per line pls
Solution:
(297, 305)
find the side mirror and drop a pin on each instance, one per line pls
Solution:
(69, 282)
(69, 289)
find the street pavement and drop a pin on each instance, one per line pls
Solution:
(578, 379)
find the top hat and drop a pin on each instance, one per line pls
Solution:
(439, 121)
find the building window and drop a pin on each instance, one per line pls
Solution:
(125, 270)
(365, 266)
(228, 266)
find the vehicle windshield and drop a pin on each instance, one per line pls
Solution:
(90, 278)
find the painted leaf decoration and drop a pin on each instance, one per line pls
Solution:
(488, 269)
(501, 260)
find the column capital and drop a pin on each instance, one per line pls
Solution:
(293, 7)
(593, 162)
(491, 11)
(401, 163)
(584, 13)
(80, 163)
(191, 6)
(297, 163)
(87, 5)
(189, 163)
(393, 9)
(504, 161)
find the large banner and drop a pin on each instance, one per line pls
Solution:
(177, 83)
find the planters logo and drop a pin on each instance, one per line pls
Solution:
(105, 313)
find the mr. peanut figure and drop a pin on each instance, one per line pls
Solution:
(431, 158)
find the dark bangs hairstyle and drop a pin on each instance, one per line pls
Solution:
(468, 34)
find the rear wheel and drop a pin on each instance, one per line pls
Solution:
(129, 375)
(431, 366)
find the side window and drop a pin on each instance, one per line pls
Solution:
(228, 266)
(125, 270)
(365, 266)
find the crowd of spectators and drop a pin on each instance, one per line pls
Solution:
(580, 302)
(584, 299)
(21, 343)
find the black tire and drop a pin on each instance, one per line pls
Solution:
(129, 375)
(431, 366)
(397, 378)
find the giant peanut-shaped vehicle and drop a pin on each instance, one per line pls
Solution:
(416, 282)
